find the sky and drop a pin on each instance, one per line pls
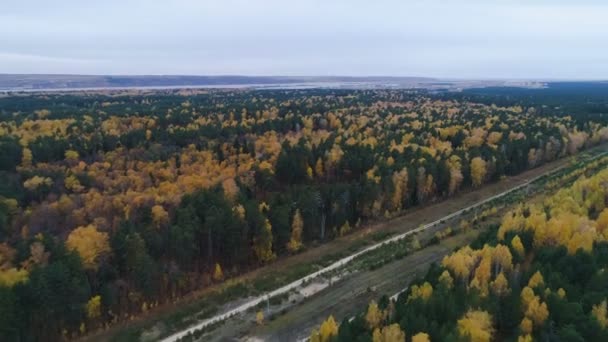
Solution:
(507, 39)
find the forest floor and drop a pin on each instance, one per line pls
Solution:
(358, 239)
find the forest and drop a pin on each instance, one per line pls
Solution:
(114, 203)
(539, 275)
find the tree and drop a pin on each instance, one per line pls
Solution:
(160, 216)
(536, 280)
(218, 274)
(400, 180)
(476, 325)
(424, 292)
(421, 337)
(518, 246)
(94, 307)
(599, 313)
(456, 177)
(374, 315)
(26, 159)
(295, 242)
(263, 243)
(90, 244)
(478, 171)
(391, 333)
(537, 311)
(328, 329)
(500, 286)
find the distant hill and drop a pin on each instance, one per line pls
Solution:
(39, 82)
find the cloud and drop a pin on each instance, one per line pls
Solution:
(469, 38)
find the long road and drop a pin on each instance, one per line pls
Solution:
(252, 303)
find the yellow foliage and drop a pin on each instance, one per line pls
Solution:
(231, 189)
(319, 168)
(400, 180)
(525, 338)
(527, 295)
(295, 242)
(446, 279)
(536, 280)
(160, 216)
(424, 291)
(263, 244)
(537, 311)
(599, 312)
(518, 246)
(374, 315)
(218, 274)
(500, 286)
(26, 158)
(526, 325)
(421, 337)
(239, 211)
(478, 171)
(391, 333)
(10, 277)
(89, 243)
(259, 317)
(494, 138)
(72, 183)
(93, 307)
(328, 329)
(71, 155)
(37, 181)
(477, 326)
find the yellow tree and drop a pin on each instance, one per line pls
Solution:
(537, 311)
(526, 326)
(446, 279)
(374, 315)
(26, 159)
(525, 338)
(456, 176)
(263, 244)
(71, 156)
(230, 188)
(391, 333)
(424, 291)
(295, 242)
(319, 168)
(477, 326)
(93, 307)
(218, 274)
(599, 312)
(328, 329)
(89, 243)
(500, 285)
(259, 317)
(536, 280)
(160, 216)
(421, 337)
(478, 171)
(518, 246)
(400, 184)
(12, 276)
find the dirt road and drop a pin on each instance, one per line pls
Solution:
(340, 263)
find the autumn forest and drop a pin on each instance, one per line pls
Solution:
(112, 203)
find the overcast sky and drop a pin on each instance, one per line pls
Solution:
(449, 38)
